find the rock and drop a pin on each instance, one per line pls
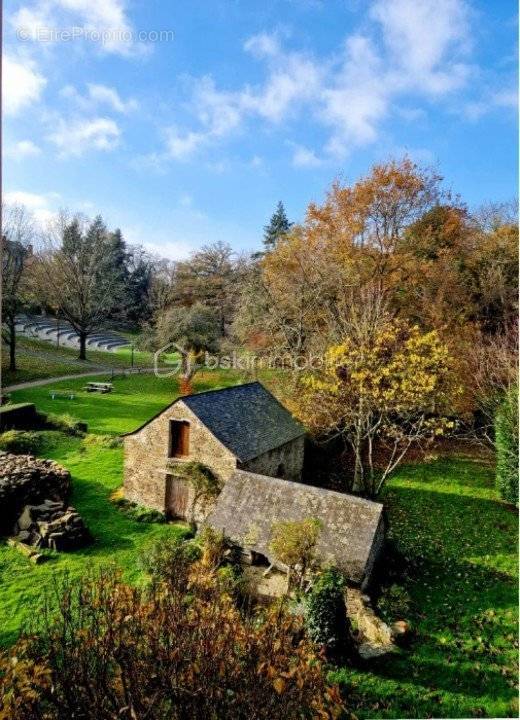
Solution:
(26, 480)
(374, 637)
(52, 525)
(368, 651)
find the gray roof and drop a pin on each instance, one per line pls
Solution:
(249, 504)
(247, 419)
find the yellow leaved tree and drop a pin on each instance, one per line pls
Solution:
(383, 391)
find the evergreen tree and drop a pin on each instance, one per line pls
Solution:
(279, 226)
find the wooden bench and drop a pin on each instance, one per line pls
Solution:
(98, 387)
(67, 394)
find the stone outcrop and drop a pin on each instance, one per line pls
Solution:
(26, 480)
(373, 636)
(51, 525)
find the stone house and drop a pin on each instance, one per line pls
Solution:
(242, 427)
(352, 528)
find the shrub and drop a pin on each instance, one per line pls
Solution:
(506, 443)
(21, 442)
(113, 651)
(394, 603)
(169, 560)
(293, 543)
(106, 441)
(66, 424)
(138, 512)
(326, 613)
(19, 416)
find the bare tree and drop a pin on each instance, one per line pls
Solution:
(73, 276)
(16, 249)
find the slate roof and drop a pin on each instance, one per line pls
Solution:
(249, 504)
(247, 419)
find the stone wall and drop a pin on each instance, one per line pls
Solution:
(377, 547)
(289, 455)
(24, 480)
(147, 464)
(146, 461)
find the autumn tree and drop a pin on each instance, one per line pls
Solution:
(211, 277)
(192, 331)
(16, 251)
(383, 389)
(293, 543)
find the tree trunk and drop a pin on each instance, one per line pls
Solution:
(82, 345)
(12, 344)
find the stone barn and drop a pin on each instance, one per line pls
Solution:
(242, 427)
(352, 528)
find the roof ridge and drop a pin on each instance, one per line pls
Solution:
(222, 389)
(281, 482)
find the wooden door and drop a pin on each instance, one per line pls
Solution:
(177, 497)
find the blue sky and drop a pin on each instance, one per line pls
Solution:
(194, 136)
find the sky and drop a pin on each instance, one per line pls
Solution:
(184, 123)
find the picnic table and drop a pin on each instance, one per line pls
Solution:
(98, 387)
(68, 394)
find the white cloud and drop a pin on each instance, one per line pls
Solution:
(425, 39)
(104, 22)
(409, 50)
(22, 149)
(22, 85)
(38, 205)
(357, 99)
(303, 157)
(75, 137)
(109, 96)
(99, 95)
(496, 99)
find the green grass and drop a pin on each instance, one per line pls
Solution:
(96, 472)
(458, 543)
(37, 359)
(460, 549)
(135, 399)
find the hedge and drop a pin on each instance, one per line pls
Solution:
(21, 416)
(506, 444)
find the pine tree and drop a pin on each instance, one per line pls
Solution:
(277, 228)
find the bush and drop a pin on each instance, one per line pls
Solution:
(66, 424)
(21, 442)
(106, 441)
(394, 603)
(138, 512)
(169, 560)
(506, 444)
(326, 614)
(19, 416)
(114, 651)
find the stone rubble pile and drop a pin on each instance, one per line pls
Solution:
(33, 504)
(51, 525)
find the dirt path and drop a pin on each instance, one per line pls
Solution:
(91, 373)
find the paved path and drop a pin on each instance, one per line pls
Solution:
(91, 373)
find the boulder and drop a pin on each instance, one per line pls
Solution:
(51, 525)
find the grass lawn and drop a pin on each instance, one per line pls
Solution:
(96, 473)
(460, 549)
(458, 543)
(37, 359)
